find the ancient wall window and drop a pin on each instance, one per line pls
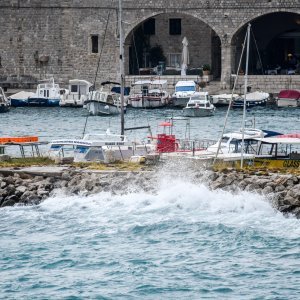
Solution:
(149, 27)
(175, 26)
(174, 60)
(94, 43)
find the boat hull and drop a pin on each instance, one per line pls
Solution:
(284, 102)
(42, 102)
(249, 103)
(270, 163)
(197, 112)
(148, 102)
(98, 108)
(4, 108)
(19, 102)
(180, 101)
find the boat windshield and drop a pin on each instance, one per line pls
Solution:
(185, 89)
(198, 97)
(81, 149)
(225, 139)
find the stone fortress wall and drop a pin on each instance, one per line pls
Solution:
(53, 37)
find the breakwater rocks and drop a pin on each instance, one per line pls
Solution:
(24, 188)
(282, 190)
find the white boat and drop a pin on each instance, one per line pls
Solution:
(149, 94)
(199, 105)
(47, 93)
(76, 94)
(4, 102)
(104, 101)
(223, 99)
(105, 147)
(183, 91)
(231, 142)
(288, 98)
(252, 99)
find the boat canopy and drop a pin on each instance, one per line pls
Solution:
(185, 83)
(79, 81)
(289, 94)
(278, 140)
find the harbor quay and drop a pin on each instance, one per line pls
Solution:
(77, 39)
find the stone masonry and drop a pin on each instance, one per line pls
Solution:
(52, 37)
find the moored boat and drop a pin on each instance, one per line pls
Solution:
(288, 98)
(104, 102)
(76, 93)
(47, 94)
(199, 105)
(252, 99)
(149, 94)
(223, 99)
(183, 91)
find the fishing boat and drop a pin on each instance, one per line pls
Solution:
(199, 105)
(183, 91)
(76, 93)
(4, 102)
(149, 94)
(104, 102)
(47, 94)
(252, 99)
(288, 98)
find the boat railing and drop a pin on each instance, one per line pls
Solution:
(195, 145)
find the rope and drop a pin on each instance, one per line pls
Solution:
(260, 60)
(231, 99)
(137, 59)
(101, 51)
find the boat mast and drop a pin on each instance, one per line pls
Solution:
(121, 61)
(245, 93)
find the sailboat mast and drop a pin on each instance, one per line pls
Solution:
(245, 93)
(121, 61)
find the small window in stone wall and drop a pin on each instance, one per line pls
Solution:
(95, 43)
(175, 26)
(149, 27)
(174, 60)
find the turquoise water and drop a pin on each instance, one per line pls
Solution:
(181, 242)
(55, 122)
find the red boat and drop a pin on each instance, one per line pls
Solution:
(289, 98)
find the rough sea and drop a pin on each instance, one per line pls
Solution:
(181, 242)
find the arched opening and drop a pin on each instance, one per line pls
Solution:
(155, 45)
(276, 40)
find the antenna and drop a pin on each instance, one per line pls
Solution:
(245, 93)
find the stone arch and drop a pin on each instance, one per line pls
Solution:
(271, 31)
(205, 50)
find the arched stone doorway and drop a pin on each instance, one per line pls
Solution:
(159, 38)
(275, 39)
